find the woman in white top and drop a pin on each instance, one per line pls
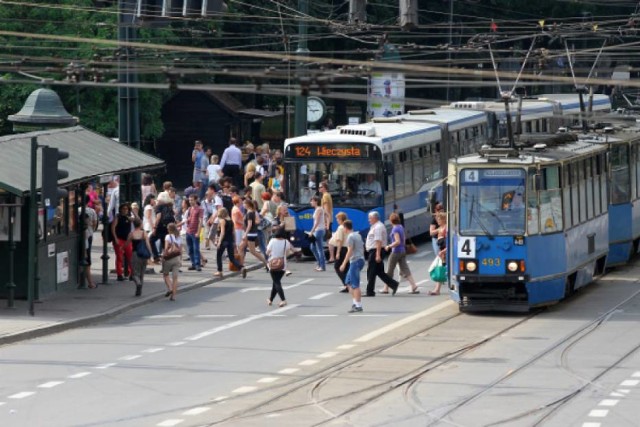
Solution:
(148, 216)
(318, 231)
(278, 247)
(172, 265)
(214, 171)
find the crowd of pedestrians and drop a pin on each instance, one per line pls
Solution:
(236, 207)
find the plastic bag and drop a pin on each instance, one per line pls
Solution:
(438, 271)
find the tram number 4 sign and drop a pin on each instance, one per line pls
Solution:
(466, 247)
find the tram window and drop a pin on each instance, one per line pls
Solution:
(398, 175)
(620, 184)
(533, 211)
(418, 173)
(637, 169)
(582, 190)
(545, 125)
(575, 202)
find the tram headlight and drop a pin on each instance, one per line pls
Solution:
(516, 266)
(468, 266)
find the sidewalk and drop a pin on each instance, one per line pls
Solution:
(71, 307)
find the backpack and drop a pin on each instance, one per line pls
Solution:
(166, 218)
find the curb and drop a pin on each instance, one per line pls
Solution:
(109, 314)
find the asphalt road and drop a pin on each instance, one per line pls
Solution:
(220, 356)
(152, 364)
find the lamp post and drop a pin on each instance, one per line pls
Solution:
(302, 51)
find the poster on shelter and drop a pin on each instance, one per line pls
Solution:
(62, 265)
(5, 220)
(386, 94)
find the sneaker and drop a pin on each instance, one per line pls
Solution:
(200, 269)
(344, 291)
(192, 268)
(287, 273)
(120, 279)
(355, 309)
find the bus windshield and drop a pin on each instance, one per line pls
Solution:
(352, 183)
(492, 202)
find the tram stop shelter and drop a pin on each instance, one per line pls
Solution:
(92, 158)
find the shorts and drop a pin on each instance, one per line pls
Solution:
(353, 274)
(252, 237)
(239, 233)
(171, 266)
(398, 258)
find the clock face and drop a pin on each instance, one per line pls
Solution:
(315, 110)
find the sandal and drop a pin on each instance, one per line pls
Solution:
(414, 291)
(434, 293)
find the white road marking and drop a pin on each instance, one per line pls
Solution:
(622, 390)
(51, 384)
(599, 413)
(328, 354)
(219, 399)
(176, 343)
(318, 315)
(267, 288)
(22, 395)
(196, 411)
(153, 350)
(130, 357)
(3, 403)
(421, 282)
(272, 415)
(165, 316)
(237, 323)
(609, 402)
(636, 374)
(213, 316)
(288, 371)
(345, 346)
(245, 389)
(295, 285)
(591, 425)
(79, 375)
(614, 394)
(268, 380)
(169, 423)
(395, 325)
(367, 315)
(630, 383)
(320, 296)
(308, 362)
(105, 366)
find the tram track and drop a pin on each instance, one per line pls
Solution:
(573, 338)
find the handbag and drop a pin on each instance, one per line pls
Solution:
(236, 255)
(277, 263)
(411, 248)
(289, 223)
(142, 251)
(172, 252)
(438, 271)
(311, 237)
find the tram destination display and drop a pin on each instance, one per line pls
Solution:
(333, 151)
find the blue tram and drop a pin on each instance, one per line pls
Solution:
(528, 227)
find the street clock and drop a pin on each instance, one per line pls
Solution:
(316, 109)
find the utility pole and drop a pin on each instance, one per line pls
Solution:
(302, 51)
(449, 48)
(128, 110)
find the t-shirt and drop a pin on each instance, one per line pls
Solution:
(251, 216)
(213, 171)
(197, 167)
(354, 241)
(399, 230)
(338, 236)
(278, 249)
(177, 241)
(256, 193)
(327, 203)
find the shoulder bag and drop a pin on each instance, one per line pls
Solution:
(277, 263)
(142, 251)
(172, 252)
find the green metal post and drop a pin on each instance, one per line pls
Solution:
(302, 51)
(105, 234)
(11, 286)
(33, 224)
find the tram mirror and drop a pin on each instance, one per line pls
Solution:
(537, 182)
(432, 200)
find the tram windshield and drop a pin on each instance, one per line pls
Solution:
(353, 183)
(492, 202)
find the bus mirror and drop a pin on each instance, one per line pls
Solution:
(388, 168)
(432, 200)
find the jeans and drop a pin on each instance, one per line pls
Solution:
(353, 274)
(193, 245)
(261, 242)
(317, 248)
